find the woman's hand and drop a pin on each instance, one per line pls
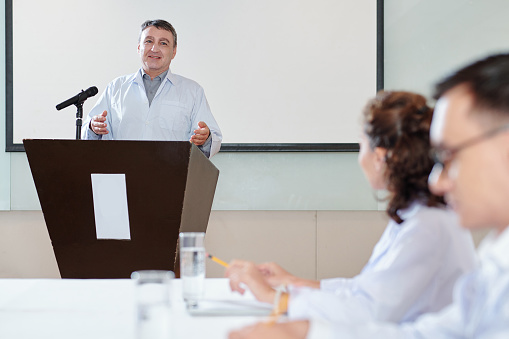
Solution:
(245, 272)
(277, 276)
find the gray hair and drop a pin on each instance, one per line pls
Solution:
(159, 24)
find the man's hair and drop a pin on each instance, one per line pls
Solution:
(488, 81)
(159, 24)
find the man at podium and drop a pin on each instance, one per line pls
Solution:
(154, 103)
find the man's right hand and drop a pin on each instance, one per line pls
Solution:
(286, 330)
(98, 124)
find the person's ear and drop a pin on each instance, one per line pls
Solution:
(380, 154)
(174, 52)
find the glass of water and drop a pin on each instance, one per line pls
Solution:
(192, 266)
(153, 304)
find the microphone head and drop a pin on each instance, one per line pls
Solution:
(92, 91)
(79, 98)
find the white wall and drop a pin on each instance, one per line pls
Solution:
(426, 39)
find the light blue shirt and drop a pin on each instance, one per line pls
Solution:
(177, 107)
(412, 270)
(480, 308)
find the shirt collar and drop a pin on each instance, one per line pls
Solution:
(410, 211)
(496, 247)
(170, 76)
(162, 75)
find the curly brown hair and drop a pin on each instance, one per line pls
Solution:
(399, 122)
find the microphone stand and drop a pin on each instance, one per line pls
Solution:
(79, 115)
(79, 119)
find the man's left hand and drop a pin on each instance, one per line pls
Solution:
(201, 134)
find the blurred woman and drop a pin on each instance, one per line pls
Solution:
(422, 251)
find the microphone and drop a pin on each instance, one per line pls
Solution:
(79, 98)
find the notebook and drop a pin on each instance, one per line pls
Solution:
(210, 307)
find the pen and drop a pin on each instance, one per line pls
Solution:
(219, 261)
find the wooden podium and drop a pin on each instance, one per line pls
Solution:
(170, 187)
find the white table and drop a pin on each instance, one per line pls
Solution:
(93, 309)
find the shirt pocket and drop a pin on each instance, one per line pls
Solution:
(175, 116)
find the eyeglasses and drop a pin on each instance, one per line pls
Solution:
(442, 156)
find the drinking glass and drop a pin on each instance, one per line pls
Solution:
(192, 266)
(153, 305)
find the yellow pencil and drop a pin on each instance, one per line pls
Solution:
(219, 261)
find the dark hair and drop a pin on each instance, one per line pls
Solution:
(159, 24)
(399, 122)
(488, 81)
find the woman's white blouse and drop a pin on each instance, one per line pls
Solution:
(412, 270)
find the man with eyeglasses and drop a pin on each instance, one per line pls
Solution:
(470, 135)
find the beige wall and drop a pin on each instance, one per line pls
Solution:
(25, 247)
(310, 244)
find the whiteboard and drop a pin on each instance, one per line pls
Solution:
(274, 71)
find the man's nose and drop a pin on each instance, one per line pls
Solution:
(438, 180)
(155, 48)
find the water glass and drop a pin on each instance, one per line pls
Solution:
(192, 266)
(153, 304)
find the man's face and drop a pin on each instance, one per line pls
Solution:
(156, 50)
(475, 180)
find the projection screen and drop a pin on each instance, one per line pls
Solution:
(276, 73)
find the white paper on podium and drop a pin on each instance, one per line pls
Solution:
(110, 206)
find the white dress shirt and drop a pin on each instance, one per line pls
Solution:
(177, 107)
(412, 270)
(480, 308)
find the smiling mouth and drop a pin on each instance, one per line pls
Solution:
(154, 57)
